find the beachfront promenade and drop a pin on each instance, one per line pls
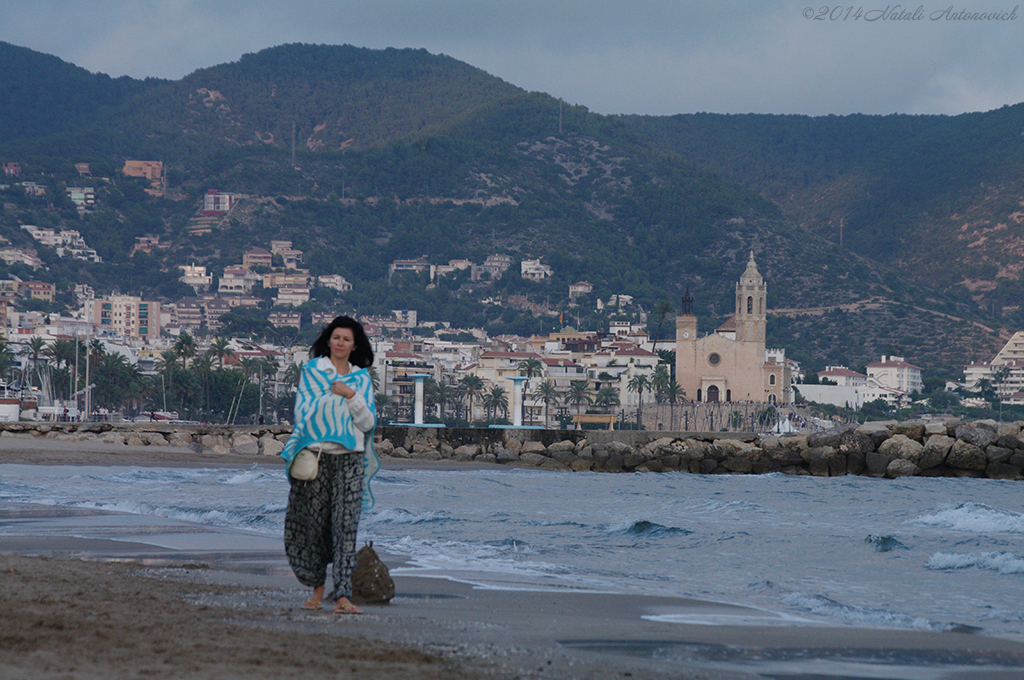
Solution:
(878, 449)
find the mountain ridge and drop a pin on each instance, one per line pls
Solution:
(481, 165)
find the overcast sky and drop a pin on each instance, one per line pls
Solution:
(651, 57)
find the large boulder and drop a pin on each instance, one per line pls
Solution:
(977, 433)
(912, 429)
(901, 446)
(245, 444)
(466, 452)
(270, 446)
(179, 439)
(901, 467)
(210, 443)
(507, 455)
(828, 438)
(997, 454)
(531, 458)
(533, 447)
(1002, 471)
(424, 452)
(966, 456)
(855, 442)
(564, 445)
(877, 430)
(936, 448)
(582, 464)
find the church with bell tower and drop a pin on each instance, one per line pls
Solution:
(732, 364)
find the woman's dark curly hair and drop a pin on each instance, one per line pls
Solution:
(362, 354)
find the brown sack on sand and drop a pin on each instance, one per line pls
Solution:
(371, 581)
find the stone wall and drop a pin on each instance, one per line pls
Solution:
(878, 449)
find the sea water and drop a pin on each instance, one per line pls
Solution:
(913, 553)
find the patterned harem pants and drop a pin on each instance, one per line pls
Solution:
(321, 522)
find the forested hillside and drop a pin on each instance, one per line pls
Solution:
(938, 196)
(400, 154)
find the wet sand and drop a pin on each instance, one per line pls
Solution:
(171, 600)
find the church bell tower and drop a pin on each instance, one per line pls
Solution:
(751, 300)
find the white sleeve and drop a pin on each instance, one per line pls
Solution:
(362, 416)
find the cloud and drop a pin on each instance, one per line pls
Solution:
(654, 56)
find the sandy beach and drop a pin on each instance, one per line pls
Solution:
(213, 603)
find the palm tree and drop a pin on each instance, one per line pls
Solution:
(186, 348)
(221, 350)
(473, 386)
(6, 359)
(579, 393)
(383, 403)
(202, 365)
(638, 383)
(34, 348)
(531, 367)
(292, 375)
(494, 399)
(659, 381)
(674, 393)
(663, 309)
(607, 397)
(443, 394)
(547, 393)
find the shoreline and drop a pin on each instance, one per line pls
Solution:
(173, 599)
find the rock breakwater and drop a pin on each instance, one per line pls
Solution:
(890, 449)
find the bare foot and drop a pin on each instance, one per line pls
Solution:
(315, 599)
(343, 606)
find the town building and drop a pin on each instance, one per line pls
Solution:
(258, 257)
(335, 281)
(151, 170)
(290, 257)
(732, 364)
(283, 319)
(1005, 372)
(128, 316)
(415, 266)
(83, 197)
(216, 203)
(895, 373)
(237, 280)
(287, 279)
(494, 266)
(579, 289)
(534, 270)
(37, 290)
(196, 276)
(291, 296)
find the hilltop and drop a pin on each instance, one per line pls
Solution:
(399, 154)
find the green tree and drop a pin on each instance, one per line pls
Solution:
(663, 309)
(531, 367)
(494, 399)
(607, 397)
(579, 393)
(185, 347)
(638, 383)
(549, 394)
(472, 385)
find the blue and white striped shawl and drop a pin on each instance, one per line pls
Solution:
(320, 416)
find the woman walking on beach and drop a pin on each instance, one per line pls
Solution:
(334, 421)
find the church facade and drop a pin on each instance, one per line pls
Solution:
(732, 364)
